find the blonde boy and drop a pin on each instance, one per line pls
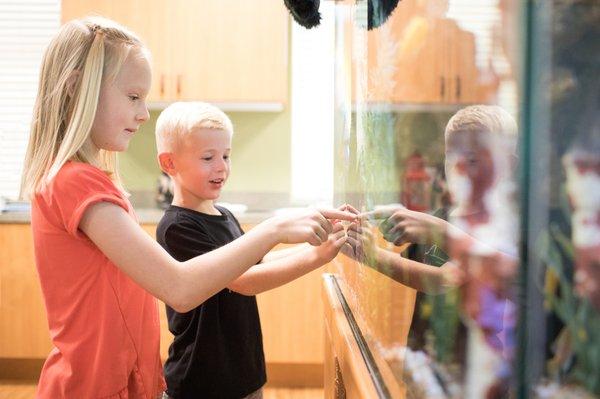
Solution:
(217, 351)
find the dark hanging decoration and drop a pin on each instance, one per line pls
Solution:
(379, 11)
(305, 12)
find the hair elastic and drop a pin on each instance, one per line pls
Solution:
(97, 29)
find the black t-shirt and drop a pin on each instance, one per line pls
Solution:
(217, 351)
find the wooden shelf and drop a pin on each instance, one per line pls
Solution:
(408, 107)
(229, 106)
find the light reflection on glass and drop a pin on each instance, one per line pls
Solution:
(427, 149)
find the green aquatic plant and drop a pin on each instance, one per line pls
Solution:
(581, 320)
(377, 157)
(443, 312)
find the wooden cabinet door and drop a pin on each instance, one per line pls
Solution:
(153, 22)
(408, 58)
(235, 51)
(463, 75)
(422, 63)
(417, 58)
(150, 20)
(23, 324)
(211, 50)
(72, 9)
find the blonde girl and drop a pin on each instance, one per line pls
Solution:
(99, 271)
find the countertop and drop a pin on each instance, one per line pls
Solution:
(145, 216)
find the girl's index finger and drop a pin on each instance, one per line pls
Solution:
(352, 209)
(336, 214)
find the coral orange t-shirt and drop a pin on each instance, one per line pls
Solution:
(104, 327)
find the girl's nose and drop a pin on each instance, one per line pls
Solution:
(143, 115)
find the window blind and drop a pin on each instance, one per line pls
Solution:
(26, 27)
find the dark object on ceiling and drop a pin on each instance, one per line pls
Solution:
(379, 11)
(305, 12)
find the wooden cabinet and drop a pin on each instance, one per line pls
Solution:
(291, 315)
(23, 325)
(416, 57)
(353, 368)
(220, 51)
(236, 51)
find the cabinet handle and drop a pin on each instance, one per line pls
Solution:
(442, 87)
(178, 85)
(162, 84)
(458, 87)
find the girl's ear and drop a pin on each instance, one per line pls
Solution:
(165, 160)
(72, 82)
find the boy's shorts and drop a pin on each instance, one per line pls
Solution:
(258, 394)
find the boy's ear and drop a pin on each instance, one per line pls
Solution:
(72, 82)
(165, 160)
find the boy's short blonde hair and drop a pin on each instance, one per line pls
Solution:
(181, 118)
(486, 119)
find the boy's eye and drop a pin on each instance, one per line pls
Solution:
(207, 158)
(133, 97)
(225, 156)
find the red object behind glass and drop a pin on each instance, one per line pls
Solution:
(416, 184)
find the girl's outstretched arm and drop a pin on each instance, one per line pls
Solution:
(185, 285)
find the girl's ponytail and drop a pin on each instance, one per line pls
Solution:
(84, 109)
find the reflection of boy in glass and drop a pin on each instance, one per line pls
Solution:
(582, 164)
(476, 249)
(480, 156)
(480, 148)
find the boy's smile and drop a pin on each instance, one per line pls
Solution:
(217, 183)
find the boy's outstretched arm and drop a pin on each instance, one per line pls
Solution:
(284, 253)
(303, 259)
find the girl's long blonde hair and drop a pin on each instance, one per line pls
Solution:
(83, 55)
